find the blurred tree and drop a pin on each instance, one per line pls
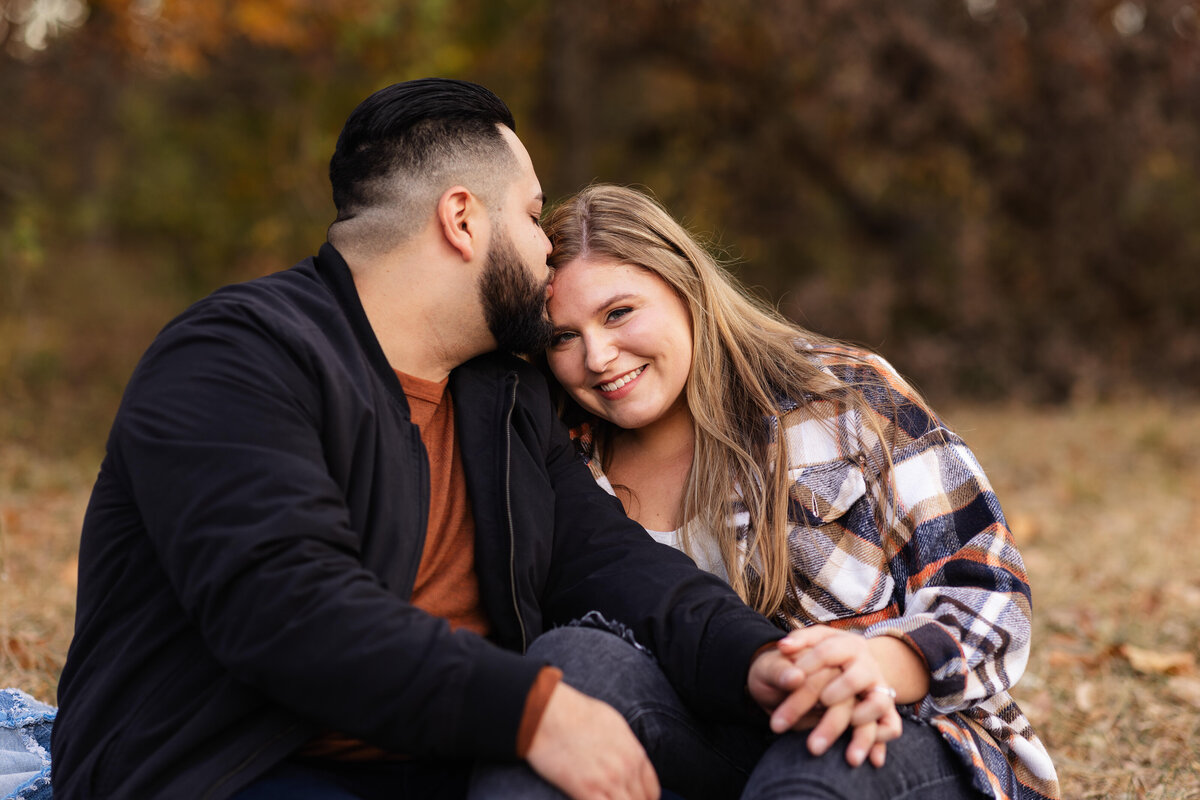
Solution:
(993, 192)
(999, 195)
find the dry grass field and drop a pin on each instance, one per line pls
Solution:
(1105, 504)
(1104, 501)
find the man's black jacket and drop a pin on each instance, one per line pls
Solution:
(253, 537)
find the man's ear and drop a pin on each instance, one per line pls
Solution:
(460, 216)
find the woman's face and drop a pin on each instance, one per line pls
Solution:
(622, 342)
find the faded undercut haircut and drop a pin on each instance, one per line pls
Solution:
(403, 146)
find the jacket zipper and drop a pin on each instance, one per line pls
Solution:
(512, 534)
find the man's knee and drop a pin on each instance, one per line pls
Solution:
(601, 663)
(598, 660)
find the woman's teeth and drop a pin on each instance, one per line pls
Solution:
(619, 382)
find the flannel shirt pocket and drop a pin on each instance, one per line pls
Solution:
(835, 543)
(826, 492)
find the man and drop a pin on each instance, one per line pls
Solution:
(334, 514)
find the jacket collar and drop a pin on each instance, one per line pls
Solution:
(335, 273)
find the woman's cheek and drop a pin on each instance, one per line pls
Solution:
(559, 368)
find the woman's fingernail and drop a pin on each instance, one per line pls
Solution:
(817, 745)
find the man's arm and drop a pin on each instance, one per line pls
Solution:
(222, 445)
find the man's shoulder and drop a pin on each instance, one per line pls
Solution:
(286, 303)
(297, 285)
(286, 323)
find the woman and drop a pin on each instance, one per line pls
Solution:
(816, 481)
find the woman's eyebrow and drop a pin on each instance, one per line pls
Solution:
(616, 298)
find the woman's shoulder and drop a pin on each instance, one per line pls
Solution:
(856, 367)
(879, 387)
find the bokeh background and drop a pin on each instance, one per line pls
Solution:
(1001, 196)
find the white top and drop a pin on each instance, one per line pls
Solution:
(707, 555)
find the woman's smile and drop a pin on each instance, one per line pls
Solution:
(611, 388)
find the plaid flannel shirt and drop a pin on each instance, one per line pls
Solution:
(944, 575)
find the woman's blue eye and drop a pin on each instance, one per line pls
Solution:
(560, 339)
(617, 313)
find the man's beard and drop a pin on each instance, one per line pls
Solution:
(514, 304)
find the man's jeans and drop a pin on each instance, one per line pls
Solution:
(694, 759)
(691, 758)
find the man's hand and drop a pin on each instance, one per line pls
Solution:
(772, 678)
(585, 748)
(858, 695)
(781, 683)
(785, 691)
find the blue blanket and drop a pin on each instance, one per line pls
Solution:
(24, 746)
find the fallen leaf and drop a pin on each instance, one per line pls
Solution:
(1184, 593)
(1185, 690)
(1154, 662)
(19, 653)
(1085, 696)
(1024, 528)
(1063, 658)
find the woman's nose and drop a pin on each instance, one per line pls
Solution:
(600, 352)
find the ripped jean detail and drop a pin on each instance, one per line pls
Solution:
(596, 620)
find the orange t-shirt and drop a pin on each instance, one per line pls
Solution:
(446, 583)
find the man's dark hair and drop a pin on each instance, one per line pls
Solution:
(404, 145)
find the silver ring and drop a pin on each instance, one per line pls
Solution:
(888, 690)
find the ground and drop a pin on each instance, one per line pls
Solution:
(1104, 502)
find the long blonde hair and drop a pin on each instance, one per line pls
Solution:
(745, 359)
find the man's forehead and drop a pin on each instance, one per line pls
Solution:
(524, 162)
(525, 187)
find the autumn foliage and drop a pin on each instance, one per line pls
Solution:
(1000, 195)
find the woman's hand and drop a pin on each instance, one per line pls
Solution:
(845, 677)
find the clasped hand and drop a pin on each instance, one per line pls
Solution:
(828, 680)
(818, 678)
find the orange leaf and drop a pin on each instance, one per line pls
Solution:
(1154, 662)
(1062, 658)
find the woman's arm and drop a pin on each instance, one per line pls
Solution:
(966, 605)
